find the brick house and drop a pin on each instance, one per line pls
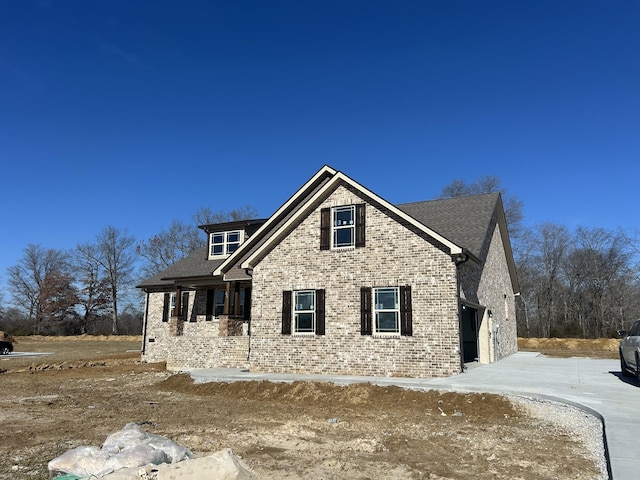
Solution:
(338, 280)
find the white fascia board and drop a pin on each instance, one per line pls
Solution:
(295, 197)
(454, 249)
(339, 176)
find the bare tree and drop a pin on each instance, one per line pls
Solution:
(27, 280)
(601, 272)
(546, 250)
(168, 246)
(93, 296)
(490, 184)
(114, 252)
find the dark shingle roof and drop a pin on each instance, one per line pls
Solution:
(195, 265)
(463, 220)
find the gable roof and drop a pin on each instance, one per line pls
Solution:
(463, 220)
(308, 201)
(461, 224)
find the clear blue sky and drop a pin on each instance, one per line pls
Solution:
(134, 113)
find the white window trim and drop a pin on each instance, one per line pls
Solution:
(335, 227)
(294, 329)
(377, 310)
(225, 243)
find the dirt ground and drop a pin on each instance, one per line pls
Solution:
(92, 387)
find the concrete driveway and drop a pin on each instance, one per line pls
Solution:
(596, 386)
(15, 354)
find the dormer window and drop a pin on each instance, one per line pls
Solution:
(224, 243)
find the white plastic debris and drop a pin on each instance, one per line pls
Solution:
(130, 447)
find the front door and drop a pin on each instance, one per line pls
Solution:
(469, 334)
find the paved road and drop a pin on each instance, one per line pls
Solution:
(594, 385)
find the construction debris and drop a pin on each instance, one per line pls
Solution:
(222, 465)
(128, 448)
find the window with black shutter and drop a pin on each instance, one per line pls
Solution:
(303, 312)
(386, 311)
(343, 227)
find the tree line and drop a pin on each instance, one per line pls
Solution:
(91, 288)
(582, 283)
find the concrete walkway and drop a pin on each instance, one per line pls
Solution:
(594, 385)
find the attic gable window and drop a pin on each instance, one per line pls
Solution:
(342, 227)
(224, 243)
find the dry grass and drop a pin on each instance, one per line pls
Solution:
(69, 349)
(571, 347)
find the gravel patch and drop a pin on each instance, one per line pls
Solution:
(572, 421)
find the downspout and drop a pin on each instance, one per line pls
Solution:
(250, 275)
(459, 260)
(144, 324)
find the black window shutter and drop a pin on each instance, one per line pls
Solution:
(365, 311)
(406, 317)
(319, 312)
(286, 312)
(209, 307)
(247, 303)
(360, 225)
(325, 229)
(165, 307)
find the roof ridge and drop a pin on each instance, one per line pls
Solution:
(451, 198)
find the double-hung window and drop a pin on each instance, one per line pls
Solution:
(303, 312)
(225, 243)
(387, 310)
(342, 227)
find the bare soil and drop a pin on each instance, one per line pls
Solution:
(92, 387)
